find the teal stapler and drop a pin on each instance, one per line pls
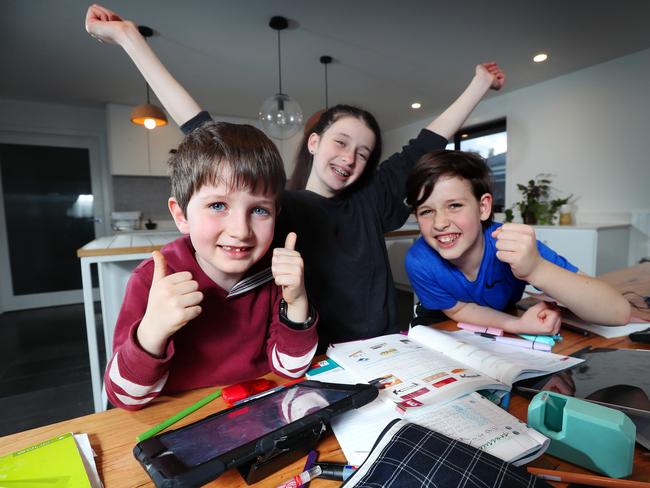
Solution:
(586, 434)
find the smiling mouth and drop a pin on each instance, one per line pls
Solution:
(236, 250)
(447, 240)
(340, 172)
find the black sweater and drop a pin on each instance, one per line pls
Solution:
(341, 240)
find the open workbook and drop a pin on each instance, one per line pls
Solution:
(471, 419)
(429, 367)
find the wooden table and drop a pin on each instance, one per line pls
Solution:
(112, 433)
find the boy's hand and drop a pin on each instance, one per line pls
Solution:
(541, 319)
(173, 301)
(105, 25)
(491, 72)
(516, 245)
(288, 270)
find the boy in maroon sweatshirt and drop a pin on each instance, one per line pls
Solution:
(207, 309)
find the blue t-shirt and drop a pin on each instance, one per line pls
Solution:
(439, 284)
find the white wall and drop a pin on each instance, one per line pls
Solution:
(590, 128)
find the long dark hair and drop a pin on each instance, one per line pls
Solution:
(303, 160)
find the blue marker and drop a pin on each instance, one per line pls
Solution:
(336, 472)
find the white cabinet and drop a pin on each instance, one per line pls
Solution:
(134, 150)
(594, 249)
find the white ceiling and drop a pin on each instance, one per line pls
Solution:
(386, 53)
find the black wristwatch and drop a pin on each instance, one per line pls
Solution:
(296, 325)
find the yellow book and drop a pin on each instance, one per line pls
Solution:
(54, 463)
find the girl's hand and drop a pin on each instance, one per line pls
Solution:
(105, 25)
(491, 72)
(517, 246)
(288, 270)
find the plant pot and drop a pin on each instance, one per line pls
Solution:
(530, 218)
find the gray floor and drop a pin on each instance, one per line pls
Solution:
(44, 371)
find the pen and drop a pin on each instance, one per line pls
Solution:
(513, 341)
(311, 460)
(175, 418)
(266, 392)
(585, 479)
(335, 471)
(302, 478)
(480, 328)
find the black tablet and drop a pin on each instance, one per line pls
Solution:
(259, 429)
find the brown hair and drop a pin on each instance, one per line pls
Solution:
(251, 157)
(432, 166)
(304, 159)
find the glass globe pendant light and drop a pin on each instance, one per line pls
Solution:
(281, 116)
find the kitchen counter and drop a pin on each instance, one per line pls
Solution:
(127, 243)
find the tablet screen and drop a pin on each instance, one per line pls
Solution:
(222, 433)
(617, 378)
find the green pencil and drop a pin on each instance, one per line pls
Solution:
(175, 418)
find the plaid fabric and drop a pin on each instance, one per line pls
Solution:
(409, 456)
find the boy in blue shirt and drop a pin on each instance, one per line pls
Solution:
(472, 269)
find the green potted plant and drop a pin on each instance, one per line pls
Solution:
(537, 207)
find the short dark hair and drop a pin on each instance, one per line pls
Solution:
(253, 160)
(304, 159)
(428, 170)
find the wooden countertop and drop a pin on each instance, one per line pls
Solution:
(138, 243)
(126, 244)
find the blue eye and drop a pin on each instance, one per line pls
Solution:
(218, 206)
(261, 211)
(456, 205)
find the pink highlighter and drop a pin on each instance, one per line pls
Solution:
(481, 329)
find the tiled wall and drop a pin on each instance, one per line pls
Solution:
(148, 194)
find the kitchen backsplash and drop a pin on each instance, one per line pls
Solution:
(148, 194)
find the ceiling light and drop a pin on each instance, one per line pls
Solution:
(147, 114)
(281, 116)
(540, 58)
(416, 105)
(464, 136)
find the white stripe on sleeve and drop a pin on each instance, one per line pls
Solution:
(292, 366)
(130, 388)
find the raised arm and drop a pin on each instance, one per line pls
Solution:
(488, 76)
(107, 26)
(589, 298)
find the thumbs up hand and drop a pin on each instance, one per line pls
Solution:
(288, 270)
(173, 301)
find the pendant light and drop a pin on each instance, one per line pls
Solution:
(151, 116)
(281, 116)
(313, 120)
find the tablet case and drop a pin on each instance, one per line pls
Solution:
(256, 459)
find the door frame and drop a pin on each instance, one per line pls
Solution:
(9, 301)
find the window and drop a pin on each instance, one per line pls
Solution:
(491, 142)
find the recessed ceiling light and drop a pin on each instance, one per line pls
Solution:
(416, 105)
(540, 58)
(464, 135)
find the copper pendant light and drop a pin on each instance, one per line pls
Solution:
(148, 115)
